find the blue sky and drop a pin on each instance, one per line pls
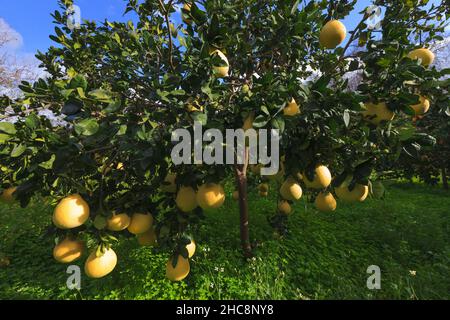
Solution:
(31, 18)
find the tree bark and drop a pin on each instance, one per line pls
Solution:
(444, 178)
(241, 183)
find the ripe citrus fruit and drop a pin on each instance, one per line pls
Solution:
(291, 190)
(140, 223)
(358, 194)
(375, 113)
(180, 271)
(422, 107)
(118, 222)
(68, 250)
(263, 187)
(210, 196)
(424, 54)
(97, 267)
(191, 248)
(322, 178)
(332, 34)
(186, 199)
(291, 109)
(7, 195)
(284, 207)
(148, 238)
(71, 212)
(325, 202)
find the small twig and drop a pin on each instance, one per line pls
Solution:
(166, 17)
(353, 36)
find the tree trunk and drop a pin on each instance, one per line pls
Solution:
(444, 178)
(241, 183)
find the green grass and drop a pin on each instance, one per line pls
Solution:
(325, 256)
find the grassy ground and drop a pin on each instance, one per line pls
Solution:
(325, 256)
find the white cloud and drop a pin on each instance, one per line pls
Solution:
(15, 61)
(15, 38)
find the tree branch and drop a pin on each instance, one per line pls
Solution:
(166, 18)
(353, 36)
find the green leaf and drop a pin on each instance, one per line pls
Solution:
(49, 163)
(117, 38)
(86, 127)
(198, 15)
(101, 95)
(264, 109)
(7, 127)
(18, 150)
(260, 121)
(447, 111)
(178, 92)
(78, 81)
(346, 118)
(4, 137)
(81, 93)
(278, 123)
(113, 106)
(66, 93)
(200, 117)
(122, 130)
(32, 121)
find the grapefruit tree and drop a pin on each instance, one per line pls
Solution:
(123, 88)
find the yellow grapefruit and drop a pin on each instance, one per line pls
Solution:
(97, 267)
(118, 222)
(7, 195)
(140, 223)
(180, 271)
(332, 34)
(71, 212)
(291, 190)
(148, 238)
(322, 178)
(325, 202)
(284, 207)
(358, 194)
(375, 113)
(291, 109)
(424, 54)
(186, 199)
(422, 107)
(191, 248)
(210, 196)
(68, 250)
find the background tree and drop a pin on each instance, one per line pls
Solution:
(12, 69)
